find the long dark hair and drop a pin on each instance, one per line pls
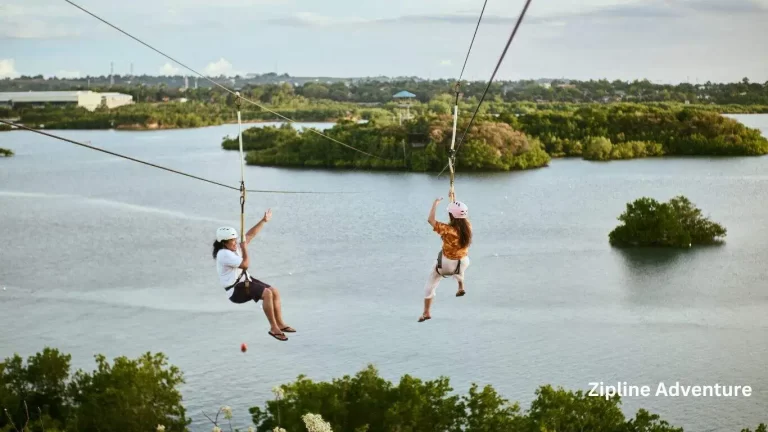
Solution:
(465, 231)
(217, 246)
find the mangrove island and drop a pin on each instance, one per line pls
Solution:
(676, 223)
(508, 141)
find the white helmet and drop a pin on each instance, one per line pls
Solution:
(458, 210)
(225, 233)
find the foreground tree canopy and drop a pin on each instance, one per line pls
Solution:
(367, 402)
(676, 223)
(140, 394)
(128, 395)
(5, 152)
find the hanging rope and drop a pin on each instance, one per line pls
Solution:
(498, 65)
(20, 126)
(214, 82)
(239, 104)
(452, 152)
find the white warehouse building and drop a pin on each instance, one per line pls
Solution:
(114, 100)
(85, 98)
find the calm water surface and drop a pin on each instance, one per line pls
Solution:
(103, 255)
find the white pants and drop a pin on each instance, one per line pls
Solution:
(449, 266)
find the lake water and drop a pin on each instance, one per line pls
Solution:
(103, 255)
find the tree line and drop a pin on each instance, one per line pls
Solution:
(181, 115)
(624, 131)
(507, 141)
(141, 394)
(380, 90)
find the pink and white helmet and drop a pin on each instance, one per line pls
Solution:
(458, 210)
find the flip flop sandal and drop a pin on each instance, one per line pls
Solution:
(288, 329)
(278, 336)
(423, 318)
(460, 293)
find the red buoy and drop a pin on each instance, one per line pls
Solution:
(243, 347)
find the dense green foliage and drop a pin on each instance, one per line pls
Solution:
(420, 145)
(380, 89)
(367, 402)
(622, 131)
(509, 141)
(129, 395)
(677, 223)
(140, 394)
(593, 131)
(185, 115)
(5, 152)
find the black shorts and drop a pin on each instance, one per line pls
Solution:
(255, 291)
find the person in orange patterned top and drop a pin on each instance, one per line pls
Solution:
(453, 258)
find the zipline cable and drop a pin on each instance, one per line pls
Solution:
(212, 81)
(498, 65)
(161, 167)
(473, 40)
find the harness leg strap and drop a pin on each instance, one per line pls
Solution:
(440, 266)
(237, 281)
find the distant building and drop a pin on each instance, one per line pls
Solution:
(86, 99)
(114, 100)
(404, 95)
(404, 99)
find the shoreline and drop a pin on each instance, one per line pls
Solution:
(135, 127)
(155, 127)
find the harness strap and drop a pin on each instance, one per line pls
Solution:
(247, 280)
(440, 266)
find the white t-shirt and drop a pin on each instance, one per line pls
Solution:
(228, 266)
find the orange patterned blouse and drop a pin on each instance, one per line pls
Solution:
(451, 245)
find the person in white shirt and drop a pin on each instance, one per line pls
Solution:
(232, 269)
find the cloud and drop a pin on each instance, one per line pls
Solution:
(19, 9)
(655, 9)
(8, 68)
(36, 19)
(169, 70)
(47, 19)
(34, 29)
(219, 3)
(308, 19)
(733, 6)
(221, 67)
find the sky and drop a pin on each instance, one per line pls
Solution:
(665, 41)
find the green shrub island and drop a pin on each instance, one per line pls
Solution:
(676, 223)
